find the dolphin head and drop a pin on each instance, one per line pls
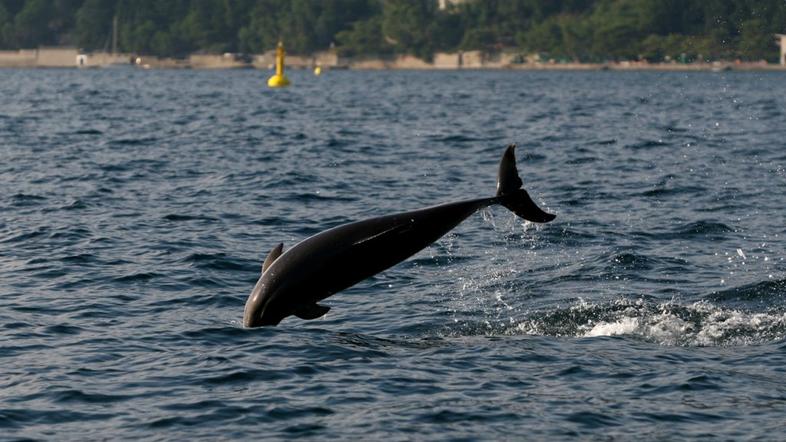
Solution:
(255, 305)
(261, 307)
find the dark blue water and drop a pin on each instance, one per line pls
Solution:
(137, 206)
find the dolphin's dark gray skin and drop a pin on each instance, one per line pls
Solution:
(294, 281)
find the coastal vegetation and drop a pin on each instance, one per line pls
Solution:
(569, 30)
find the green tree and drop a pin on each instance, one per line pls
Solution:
(94, 24)
(205, 27)
(364, 38)
(6, 27)
(571, 29)
(618, 25)
(32, 25)
(756, 43)
(406, 25)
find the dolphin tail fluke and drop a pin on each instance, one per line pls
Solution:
(508, 179)
(522, 205)
(512, 196)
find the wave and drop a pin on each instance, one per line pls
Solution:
(15, 237)
(216, 261)
(25, 199)
(144, 141)
(761, 291)
(88, 132)
(175, 217)
(703, 229)
(697, 324)
(20, 417)
(459, 138)
(647, 144)
(663, 191)
(136, 277)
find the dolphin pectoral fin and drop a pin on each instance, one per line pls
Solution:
(272, 256)
(311, 311)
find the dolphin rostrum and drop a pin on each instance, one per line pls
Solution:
(292, 282)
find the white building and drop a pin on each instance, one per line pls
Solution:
(443, 4)
(782, 41)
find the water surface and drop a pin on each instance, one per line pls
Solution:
(137, 207)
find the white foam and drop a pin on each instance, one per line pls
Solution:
(624, 326)
(697, 324)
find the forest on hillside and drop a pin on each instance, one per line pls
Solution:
(580, 30)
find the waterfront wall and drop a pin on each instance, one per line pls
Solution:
(18, 59)
(42, 58)
(224, 61)
(59, 58)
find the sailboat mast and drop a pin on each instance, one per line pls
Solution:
(114, 35)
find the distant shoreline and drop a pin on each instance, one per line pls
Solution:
(470, 60)
(583, 67)
(665, 67)
(560, 67)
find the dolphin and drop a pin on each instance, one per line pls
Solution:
(293, 282)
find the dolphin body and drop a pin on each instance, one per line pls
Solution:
(293, 282)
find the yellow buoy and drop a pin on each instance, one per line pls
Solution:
(318, 71)
(279, 79)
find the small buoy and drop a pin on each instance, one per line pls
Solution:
(318, 71)
(279, 79)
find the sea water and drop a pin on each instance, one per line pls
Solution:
(137, 207)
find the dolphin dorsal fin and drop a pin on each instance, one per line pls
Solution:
(272, 256)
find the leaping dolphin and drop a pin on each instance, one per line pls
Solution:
(292, 282)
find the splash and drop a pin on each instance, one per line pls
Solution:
(697, 324)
